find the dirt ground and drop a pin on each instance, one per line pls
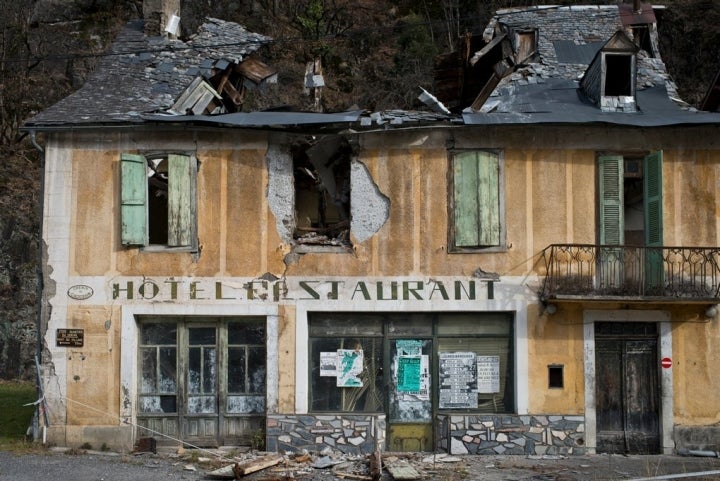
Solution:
(78, 465)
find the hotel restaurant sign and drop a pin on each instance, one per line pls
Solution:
(190, 289)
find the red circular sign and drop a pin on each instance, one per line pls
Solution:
(666, 362)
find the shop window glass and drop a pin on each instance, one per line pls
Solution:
(334, 385)
(158, 368)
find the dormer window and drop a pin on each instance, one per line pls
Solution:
(609, 81)
(618, 78)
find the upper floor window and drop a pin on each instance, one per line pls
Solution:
(476, 203)
(158, 205)
(321, 169)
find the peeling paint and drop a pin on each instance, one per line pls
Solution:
(369, 208)
(280, 190)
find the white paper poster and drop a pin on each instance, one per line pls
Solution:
(488, 374)
(328, 364)
(458, 388)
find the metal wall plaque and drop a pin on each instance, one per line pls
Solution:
(70, 338)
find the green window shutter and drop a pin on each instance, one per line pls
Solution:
(181, 205)
(133, 202)
(466, 199)
(489, 196)
(652, 179)
(611, 171)
(476, 199)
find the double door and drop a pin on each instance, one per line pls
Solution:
(626, 366)
(202, 381)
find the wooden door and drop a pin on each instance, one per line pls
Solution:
(410, 426)
(627, 393)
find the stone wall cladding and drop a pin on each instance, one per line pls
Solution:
(349, 434)
(478, 434)
(512, 434)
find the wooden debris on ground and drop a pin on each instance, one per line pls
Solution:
(376, 466)
(402, 471)
(253, 465)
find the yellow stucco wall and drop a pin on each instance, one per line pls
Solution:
(549, 193)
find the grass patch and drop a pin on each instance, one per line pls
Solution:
(14, 417)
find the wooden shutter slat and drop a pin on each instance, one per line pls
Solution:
(652, 176)
(465, 182)
(611, 171)
(133, 202)
(488, 199)
(180, 191)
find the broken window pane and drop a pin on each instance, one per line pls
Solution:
(322, 190)
(209, 370)
(325, 395)
(202, 336)
(148, 369)
(201, 404)
(246, 332)
(236, 370)
(256, 367)
(246, 404)
(168, 370)
(158, 334)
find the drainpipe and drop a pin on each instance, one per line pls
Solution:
(40, 286)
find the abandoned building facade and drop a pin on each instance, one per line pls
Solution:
(535, 272)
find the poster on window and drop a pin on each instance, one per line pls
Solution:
(408, 347)
(488, 374)
(412, 378)
(328, 364)
(458, 380)
(349, 367)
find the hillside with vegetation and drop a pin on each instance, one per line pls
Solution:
(374, 55)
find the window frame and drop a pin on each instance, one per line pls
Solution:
(427, 329)
(501, 245)
(135, 216)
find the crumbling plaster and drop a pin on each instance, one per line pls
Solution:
(369, 207)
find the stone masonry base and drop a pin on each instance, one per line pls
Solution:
(466, 434)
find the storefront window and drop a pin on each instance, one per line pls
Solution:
(362, 362)
(158, 366)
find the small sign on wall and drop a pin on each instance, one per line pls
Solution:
(70, 338)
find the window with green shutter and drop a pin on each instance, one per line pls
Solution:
(476, 201)
(158, 201)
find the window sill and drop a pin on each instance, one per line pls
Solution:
(477, 250)
(321, 249)
(161, 248)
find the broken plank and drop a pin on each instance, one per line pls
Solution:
(402, 471)
(376, 466)
(247, 467)
(344, 475)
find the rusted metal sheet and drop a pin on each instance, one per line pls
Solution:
(632, 15)
(256, 71)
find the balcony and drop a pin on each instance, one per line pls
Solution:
(657, 274)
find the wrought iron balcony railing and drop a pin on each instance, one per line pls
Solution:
(586, 271)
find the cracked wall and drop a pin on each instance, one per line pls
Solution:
(369, 207)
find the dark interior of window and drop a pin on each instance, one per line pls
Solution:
(158, 200)
(618, 75)
(555, 376)
(321, 169)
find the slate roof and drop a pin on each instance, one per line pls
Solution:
(142, 75)
(546, 90)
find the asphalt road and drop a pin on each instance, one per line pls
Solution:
(94, 466)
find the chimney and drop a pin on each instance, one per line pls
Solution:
(161, 17)
(637, 6)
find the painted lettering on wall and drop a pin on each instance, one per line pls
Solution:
(279, 290)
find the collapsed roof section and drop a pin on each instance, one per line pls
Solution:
(529, 47)
(206, 74)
